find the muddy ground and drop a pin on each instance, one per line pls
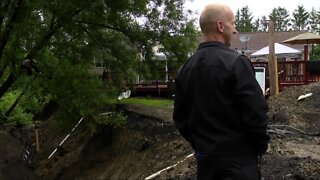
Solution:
(149, 143)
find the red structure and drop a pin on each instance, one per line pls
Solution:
(290, 73)
(293, 73)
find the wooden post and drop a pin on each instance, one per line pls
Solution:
(306, 64)
(272, 63)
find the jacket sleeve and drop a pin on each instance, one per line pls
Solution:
(251, 103)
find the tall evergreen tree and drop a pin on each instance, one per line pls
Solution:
(281, 19)
(314, 20)
(300, 18)
(244, 20)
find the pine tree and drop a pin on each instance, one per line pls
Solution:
(280, 17)
(244, 20)
(300, 18)
(314, 20)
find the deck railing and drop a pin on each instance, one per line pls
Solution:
(290, 73)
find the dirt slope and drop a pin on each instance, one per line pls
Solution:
(150, 143)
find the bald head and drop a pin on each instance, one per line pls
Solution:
(211, 15)
(217, 23)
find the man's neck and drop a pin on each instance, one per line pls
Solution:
(212, 37)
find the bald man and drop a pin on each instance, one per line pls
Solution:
(219, 106)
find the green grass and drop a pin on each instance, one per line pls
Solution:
(148, 102)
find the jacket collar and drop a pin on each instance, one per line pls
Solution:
(212, 43)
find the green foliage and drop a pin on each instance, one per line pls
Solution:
(280, 17)
(19, 116)
(314, 20)
(244, 20)
(65, 37)
(34, 97)
(315, 54)
(74, 88)
(300, 17)
(114, 119)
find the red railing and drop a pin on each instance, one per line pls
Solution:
(290, 73)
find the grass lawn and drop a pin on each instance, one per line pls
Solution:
(165, 103)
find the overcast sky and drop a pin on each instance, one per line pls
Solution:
(257, 7)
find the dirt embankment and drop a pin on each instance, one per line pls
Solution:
(150, 143)
(11, 166)
(144, 146)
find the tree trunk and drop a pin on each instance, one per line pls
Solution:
(14, 105)
(9, 27)
(7, 84)
(6, 6)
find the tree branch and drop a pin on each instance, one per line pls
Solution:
(14, 105)
(52, 21)
(94, 39)
(14, 75)
(102, 25)
(7, 84)
(56, 26)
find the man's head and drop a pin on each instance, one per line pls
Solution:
(217, 23)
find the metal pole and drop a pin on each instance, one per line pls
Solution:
(272, 63)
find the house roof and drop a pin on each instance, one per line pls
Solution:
(253, 41)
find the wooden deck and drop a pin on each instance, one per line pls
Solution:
(291, 73)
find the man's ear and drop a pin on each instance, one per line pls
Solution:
(220, 26)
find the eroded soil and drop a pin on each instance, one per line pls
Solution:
(150, 143)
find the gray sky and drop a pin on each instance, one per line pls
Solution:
(257, 7)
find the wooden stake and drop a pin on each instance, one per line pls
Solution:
(273, 74)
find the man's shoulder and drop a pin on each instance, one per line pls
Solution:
(212, 54)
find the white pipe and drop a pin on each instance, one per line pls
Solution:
(167, 168)
(55, 150)
(106, 113)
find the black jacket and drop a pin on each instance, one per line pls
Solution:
(219, 106)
